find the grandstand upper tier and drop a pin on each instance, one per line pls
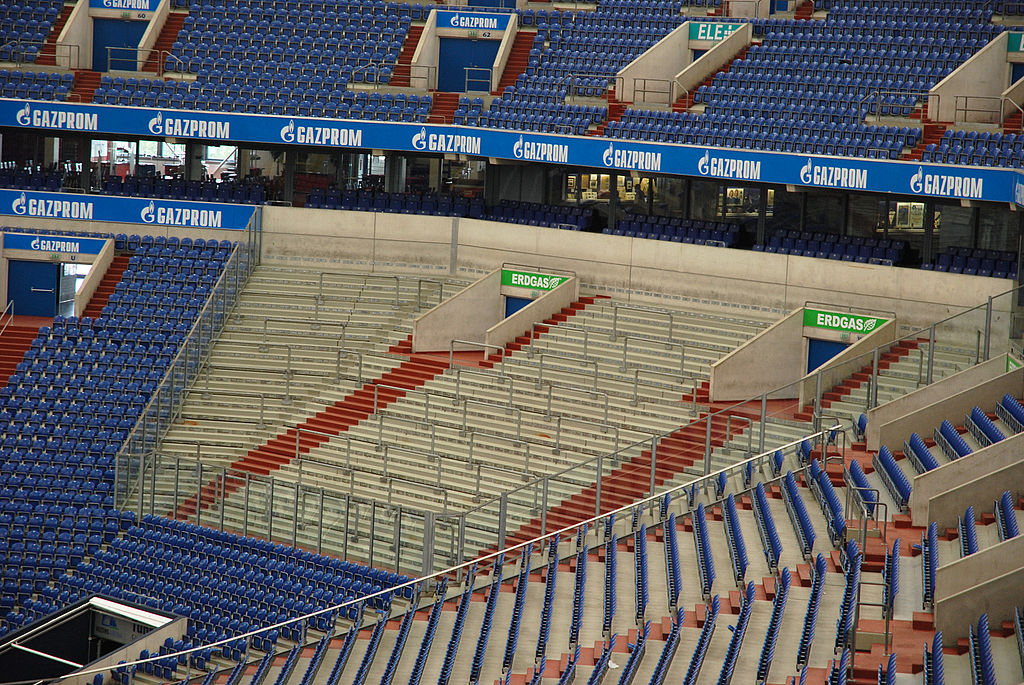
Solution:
(852, 78)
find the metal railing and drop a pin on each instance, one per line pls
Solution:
(986, 108)
(480, 76)
(21, 52)
(8, 312)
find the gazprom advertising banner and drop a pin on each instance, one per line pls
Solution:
(53, 243)
(473, 21)
(129, 5)
(884, 176)
(132, 210)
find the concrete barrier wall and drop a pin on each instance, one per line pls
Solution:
(156, 25)
(984, 487)
(989, 582)
(426, 55)
(951, 406)
(926, 498)
(413, 243)
(850, 360)
(94, 277)
(930, 394)
(77, 31)
(771, 359)
(548, 304)
(662, 61)
(983, 75)
(715, 58)
(467, 315)
(504, 50)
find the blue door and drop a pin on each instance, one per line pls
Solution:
(459, 54)
(819, 352)
(33, 287)
(514, 304)
(122, 38)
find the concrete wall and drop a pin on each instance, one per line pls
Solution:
(926, 499)
(467, 315)
(1015, 93)
(77, 31)
(426, 56)
(930, 394)
(417, 244)
(983, 75)
(94, 277)
(989, 582)
(771, 359)
(661, 62)
(543, 307)
(951, 406)
(846, 362)
(156, 25)
(715, 58)
(151, 642)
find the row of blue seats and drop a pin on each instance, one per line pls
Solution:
(705, 560)
(398, 203)
(537, 214)
(707, 632)
(547, 609)
(732, 652)
(831, 507)
(734, 536)
(811, 615)
(238, 192)
(973, 266)
(968, 532)
(802, 526)
(770, 541)
(845, 628)
(640, 572)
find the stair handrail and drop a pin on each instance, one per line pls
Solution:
(640, 86)
(962, 106)
(9, 313)
(162, 58)
(398, 283)
(1003, 116)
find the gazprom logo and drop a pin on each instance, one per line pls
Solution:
(19, 204)
(24, 115)
(455, 20)
(703, 166)
(807, 172)
(517, 149)
(149, 212)
(729, 167)
(419, 141)
(288, 131)
(609, 155)
(156, 124)
(34, 244)
(917, 180)
(1018, 193)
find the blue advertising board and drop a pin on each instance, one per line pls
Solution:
(125, 5)
(133, 210)
(53, 243)
(473, 21)
(819, 171)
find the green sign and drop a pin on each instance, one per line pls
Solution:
(712, 31)
(525, 279)
(849, 323)
(1011, 363)
(1016, 43)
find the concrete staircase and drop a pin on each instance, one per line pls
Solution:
(403, 66)
(518, 60)
(443, 109)
(47, 56)
(86, 83)
(107, 286)
(14, 342)
(931, 134)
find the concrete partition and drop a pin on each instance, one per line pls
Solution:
(467, 315)
(930, 394)
(156, 25)
(426, 56)
(94, 277)
(74, 44)
(661, 62)
(771, 359)
(981, 79)
(715, 58)
(850, 360)
(989, 582)
(548, 304)
(943, 494)
(951, 406)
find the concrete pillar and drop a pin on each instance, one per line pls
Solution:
(194, 153)
(928, 247)
(288, 190)
(85, 159)
(762, 217)
(394, 173)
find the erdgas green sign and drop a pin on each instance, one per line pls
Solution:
(849, 323)
(525, 279)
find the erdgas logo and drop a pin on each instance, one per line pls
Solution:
(24, 115)
(19, 204)
(288, 131)
(149, 212)
(156, 124)
(419, 141)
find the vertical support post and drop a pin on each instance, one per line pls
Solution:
(320, 525)
(988, 329)
(373, 531)
(502, 519)
(295, 515)
(707, 444)
(654, 468)
(245, 518)
(931, 354)
(398, 539)
(873, 396)
(270, 511)
(764, 422)
(199, 495)
(428, 543)
(344, 539)
(177, 469)
(223, 493)
(543, 508)
(597, 489)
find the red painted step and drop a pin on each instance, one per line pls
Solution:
(443, 109)
(403, 67)
(86, 83)
(165, 41)
(47, 56)
(931, 134)
(107, 285)
(14, 342)
(518, 60)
